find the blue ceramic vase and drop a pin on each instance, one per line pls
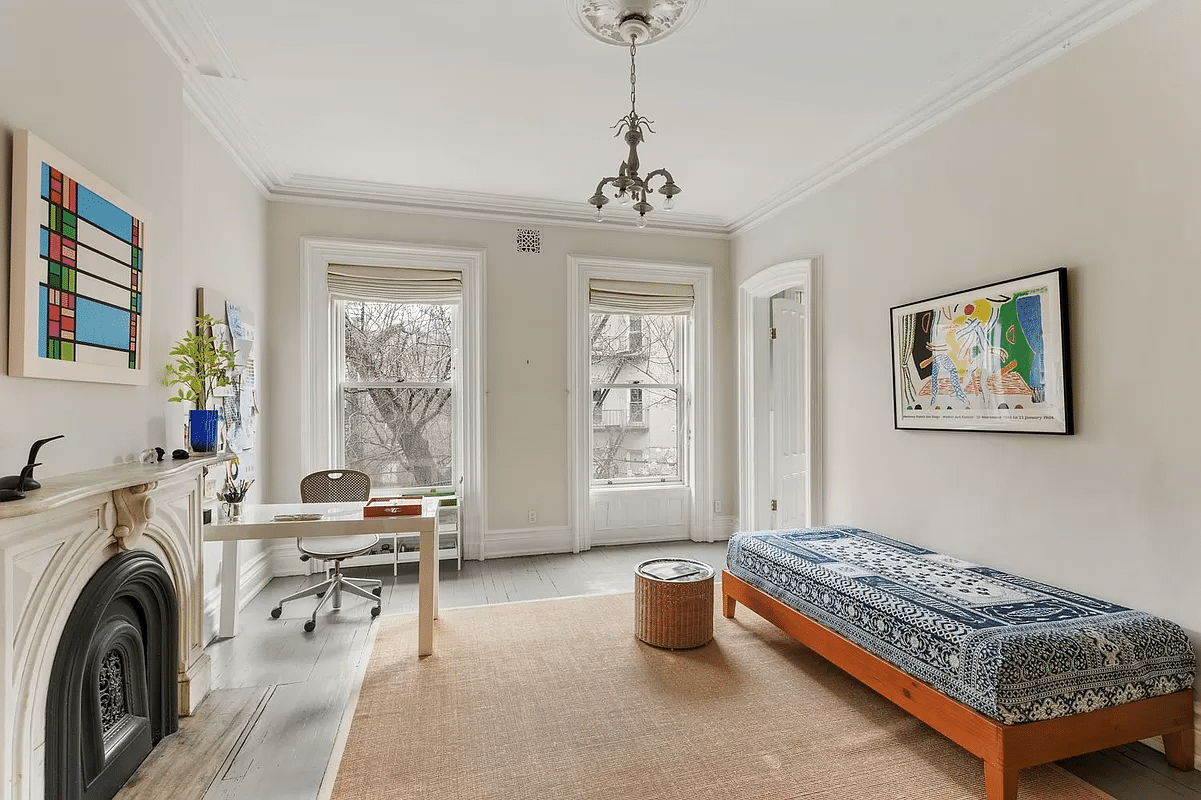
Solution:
(202, 427)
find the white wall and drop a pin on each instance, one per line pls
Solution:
(85, 76)
(526, 337)
(225, 250)
(113, 101)
(1093, 161)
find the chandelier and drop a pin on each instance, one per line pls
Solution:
(628, 185)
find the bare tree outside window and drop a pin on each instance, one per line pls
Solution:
(636, 382)
(396, 392)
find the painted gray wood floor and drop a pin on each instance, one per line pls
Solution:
(268, 728)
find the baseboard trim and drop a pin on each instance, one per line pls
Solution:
(528, 542)
(285, 559)
(723, 528)
(255, 574)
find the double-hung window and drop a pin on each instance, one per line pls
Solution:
(396, 345)
(638, 343)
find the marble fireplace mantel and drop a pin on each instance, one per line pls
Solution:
(51, 543)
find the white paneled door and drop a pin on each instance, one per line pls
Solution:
(789, 460)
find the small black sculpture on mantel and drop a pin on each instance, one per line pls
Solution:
(25, 482)
(17, 494)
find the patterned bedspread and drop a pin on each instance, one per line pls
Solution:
(1014, 649)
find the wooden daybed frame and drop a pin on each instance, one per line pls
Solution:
(1004, 748)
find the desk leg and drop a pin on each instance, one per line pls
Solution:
(230, 589)
(427, 571)
(437, 572)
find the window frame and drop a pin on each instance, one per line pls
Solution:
(581, 269)
(314, 383)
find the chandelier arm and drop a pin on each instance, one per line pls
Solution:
(659, 173)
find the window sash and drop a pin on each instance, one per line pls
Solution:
(337, 308)
(607, 419)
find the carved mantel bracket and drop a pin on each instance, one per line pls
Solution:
(134, 507)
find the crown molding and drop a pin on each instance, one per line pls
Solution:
(187, 35)
(218, 117)
(321, 190)
(987, 77)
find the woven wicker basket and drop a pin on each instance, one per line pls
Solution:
(675, 614)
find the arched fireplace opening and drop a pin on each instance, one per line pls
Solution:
(113, 692)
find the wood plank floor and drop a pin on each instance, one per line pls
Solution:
(268, 728)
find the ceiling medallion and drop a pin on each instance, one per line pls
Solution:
(602, 19)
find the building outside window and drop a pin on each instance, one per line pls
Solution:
(636, 371)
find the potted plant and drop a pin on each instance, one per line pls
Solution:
(202, 364)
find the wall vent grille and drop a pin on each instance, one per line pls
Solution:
(529, 240)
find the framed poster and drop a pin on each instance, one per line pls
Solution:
(993, 358)
(77, 272)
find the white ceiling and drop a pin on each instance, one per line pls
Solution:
(467, 104)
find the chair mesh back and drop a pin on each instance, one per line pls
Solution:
(335, 486)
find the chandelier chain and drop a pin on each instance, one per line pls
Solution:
(633, 72)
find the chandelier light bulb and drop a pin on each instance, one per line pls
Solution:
(600, 215)
(641, 221)
(623, 198)
(669, 203)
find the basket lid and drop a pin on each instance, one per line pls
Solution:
(675, 570)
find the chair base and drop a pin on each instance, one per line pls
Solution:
(332, 589)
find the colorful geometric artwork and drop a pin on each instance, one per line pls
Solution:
(78, 272)
(993, 358)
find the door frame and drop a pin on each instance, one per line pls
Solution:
(754, 296)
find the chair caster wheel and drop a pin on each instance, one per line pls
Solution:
(309, 626)
(275, 612)
(321, 594)
(376, 591)
(375, 611)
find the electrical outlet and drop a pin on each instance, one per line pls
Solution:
(716, 506)
(532, 516)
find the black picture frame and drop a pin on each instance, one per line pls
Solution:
(993, 358)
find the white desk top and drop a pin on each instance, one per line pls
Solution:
(337, 519)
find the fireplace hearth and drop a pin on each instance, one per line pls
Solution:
(103, 629)
(112, 693)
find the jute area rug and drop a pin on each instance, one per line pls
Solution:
(557, 699)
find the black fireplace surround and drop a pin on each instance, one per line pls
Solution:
(113, 692)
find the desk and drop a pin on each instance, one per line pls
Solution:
(338, 519)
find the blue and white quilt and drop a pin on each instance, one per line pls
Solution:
(1014, 649)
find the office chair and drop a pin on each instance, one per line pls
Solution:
(335, 486)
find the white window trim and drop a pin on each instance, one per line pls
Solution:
(754, 297)
(582, 269)
(318, 360)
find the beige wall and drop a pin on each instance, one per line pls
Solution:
(526, 339)
(1094, 162)
(112, 100)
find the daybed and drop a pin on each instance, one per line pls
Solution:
(1017, 672)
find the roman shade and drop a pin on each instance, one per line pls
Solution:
(394, 284)
(639, 297)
